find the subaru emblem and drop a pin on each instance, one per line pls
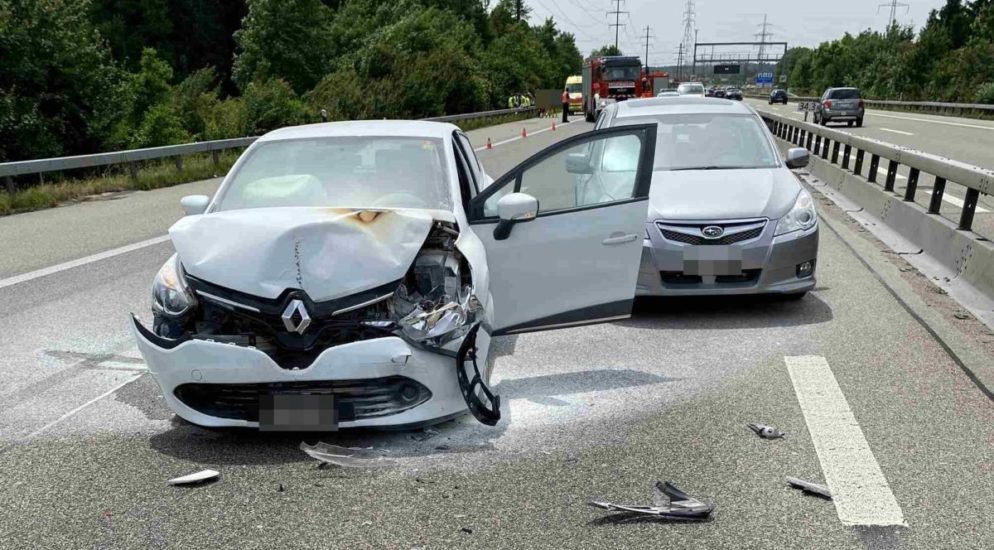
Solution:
(295, 317)
(712, 232)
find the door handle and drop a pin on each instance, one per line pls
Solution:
(619, 239)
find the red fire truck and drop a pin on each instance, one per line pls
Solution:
(654, 82)
(608, 79)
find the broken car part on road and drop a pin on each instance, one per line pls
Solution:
(811, 488)
(204, 476)
(346, 457)
(766, 432)
(669, 503)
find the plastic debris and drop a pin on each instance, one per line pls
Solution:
(669, 503)
(424, 435)
(766, 432)
(808, 487)
(197, 478)
(345, 457)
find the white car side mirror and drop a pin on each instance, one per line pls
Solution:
(514, 208)
(194, 204)
(797, 157)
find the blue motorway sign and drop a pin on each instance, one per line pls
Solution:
(764, 78)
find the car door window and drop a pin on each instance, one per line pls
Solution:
(474, 163)
(594, 171)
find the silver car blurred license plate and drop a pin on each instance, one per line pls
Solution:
(294, 412)
(712, 260)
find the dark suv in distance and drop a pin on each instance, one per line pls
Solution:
(733, 93)
(840, 104)
(778, 96)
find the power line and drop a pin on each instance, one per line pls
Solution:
(617, 19)
(689, 26)
(647, 38)
(764, 36)
(894, 4)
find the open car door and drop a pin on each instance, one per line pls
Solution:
(563, 231)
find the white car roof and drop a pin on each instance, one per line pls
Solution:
(401, 128)
(681, 105)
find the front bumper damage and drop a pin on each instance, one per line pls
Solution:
(381, 382)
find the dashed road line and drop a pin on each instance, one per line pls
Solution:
(960, 124)
(859, 489)
(902, 132)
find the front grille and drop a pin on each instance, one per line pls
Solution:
(354, 399)
(726, 239)
(679, 278)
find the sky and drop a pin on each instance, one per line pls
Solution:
(797, 22)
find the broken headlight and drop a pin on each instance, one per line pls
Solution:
(170, 294)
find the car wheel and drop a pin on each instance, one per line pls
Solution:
(849, 124)
(824, 121)
(589, 117)
(859, 123)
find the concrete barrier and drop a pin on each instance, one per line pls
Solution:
(958, 250)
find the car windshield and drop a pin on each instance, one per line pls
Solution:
(346, 172)
(690, 89)
(574, 88)
(847, 93)
(709, 142)
(622, 73)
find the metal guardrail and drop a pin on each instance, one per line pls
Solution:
(132, 156)
(919, 106)
(830, 144)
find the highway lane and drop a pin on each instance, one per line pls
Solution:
(592, 412)
(962, 139)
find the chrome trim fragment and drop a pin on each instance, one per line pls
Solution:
(227, 302)
(362, 305)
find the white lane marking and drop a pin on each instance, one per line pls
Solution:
(81, 407)
(960, 124)
(903, 133)
(24, 277)
(506, 141)
(959, 202)
(859, 489)
(31, 275)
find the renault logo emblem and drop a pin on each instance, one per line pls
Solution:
(712, 232)
(295, 317)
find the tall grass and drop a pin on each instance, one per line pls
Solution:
(151, 175)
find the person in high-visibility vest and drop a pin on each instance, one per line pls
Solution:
(565, 105)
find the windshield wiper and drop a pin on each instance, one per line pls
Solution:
(683, 169)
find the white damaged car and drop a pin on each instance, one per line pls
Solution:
(353, 274)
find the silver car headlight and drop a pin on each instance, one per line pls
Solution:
(170, 294)
(801, 217)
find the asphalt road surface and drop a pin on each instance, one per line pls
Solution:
(870, 402)
(963, 139)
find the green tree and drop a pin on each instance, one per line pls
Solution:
(56, 80)
(610, 49)
(284, 39)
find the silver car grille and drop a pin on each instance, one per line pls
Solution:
(736, 231)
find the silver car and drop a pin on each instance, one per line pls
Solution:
(726, 214)
(840, 105)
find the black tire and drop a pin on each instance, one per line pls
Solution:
(859, 122)
(588, 116)
(824, 121)
(849, 124)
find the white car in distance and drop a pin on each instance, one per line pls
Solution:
(353, 274)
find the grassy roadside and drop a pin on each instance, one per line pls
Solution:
(156, 174)
(151, 175)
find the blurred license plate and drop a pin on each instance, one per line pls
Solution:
(290, 412)
(712, 260)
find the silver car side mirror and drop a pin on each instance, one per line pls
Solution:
(194, 204)
(512, 209)
(797, 157)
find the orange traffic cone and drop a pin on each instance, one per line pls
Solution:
(524, 133)
(553, 125)
(489, 145)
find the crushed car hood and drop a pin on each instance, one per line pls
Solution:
(327, 252)
(721, 194)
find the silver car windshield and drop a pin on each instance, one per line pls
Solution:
(343, 172)
(709, 142)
